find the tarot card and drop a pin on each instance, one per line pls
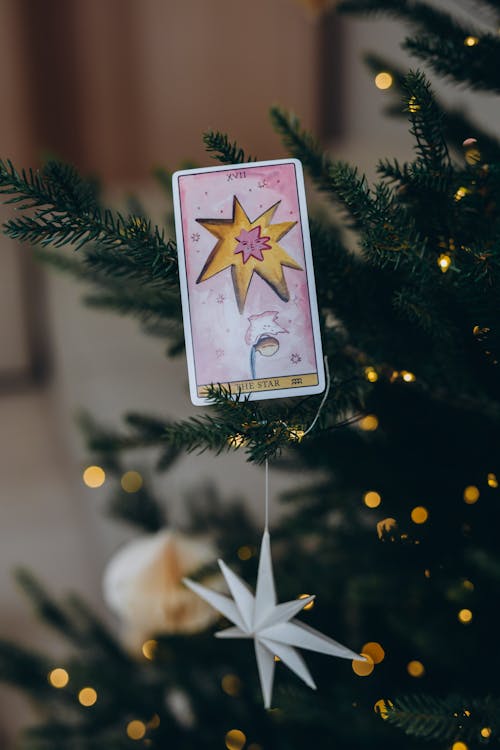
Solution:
(247, 281)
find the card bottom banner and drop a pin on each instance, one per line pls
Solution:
(266, 384)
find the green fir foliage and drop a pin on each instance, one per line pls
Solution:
(410, 321)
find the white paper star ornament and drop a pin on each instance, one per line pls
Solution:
(272, 626)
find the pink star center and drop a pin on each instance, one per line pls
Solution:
(251, 244)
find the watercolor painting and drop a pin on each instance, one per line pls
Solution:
(249, 304)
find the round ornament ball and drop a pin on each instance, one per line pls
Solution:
(142, 584)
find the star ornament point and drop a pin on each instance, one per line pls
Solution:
(248, 247)
(272, 626)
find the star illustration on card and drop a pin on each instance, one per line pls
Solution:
(272, 626)
(249, 247)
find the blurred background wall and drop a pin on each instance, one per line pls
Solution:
(119, 87)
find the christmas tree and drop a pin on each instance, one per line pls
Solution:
(396, 533)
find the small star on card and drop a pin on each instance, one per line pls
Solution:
(272, 626)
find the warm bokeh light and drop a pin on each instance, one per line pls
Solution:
(444, 262)
(149, 649)
(415, 668)
(369, 423)
(471, 494)
(412, 104)
(459, 746)
(295, 433)
(236, 441)
(385, 526)
(492, 480)
(383, 80)
(235, 739)
(58, 678)
(468, 584)
(381, 708)
(154, 722)
(372, 499)
(408, 377)
(131, 481)
(419, 514)
(472, 155)
(375, 651)
(231, 684)
(371, 374)
(87, 696)
(363, 668)
(310, 605)
(461, 193)
(486, 732)
(245, 552)
(136, 730)
(94, 476)
(465, 616)
(471, 41)
(427, 573)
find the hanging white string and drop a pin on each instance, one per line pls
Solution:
(323, 400)
(311, 426)
(266, 507)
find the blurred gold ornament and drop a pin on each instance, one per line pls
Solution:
(143, 585)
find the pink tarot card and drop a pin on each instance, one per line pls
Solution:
(247, 281)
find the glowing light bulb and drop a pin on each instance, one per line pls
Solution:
(419, 514)
(461, 193)
(415, 668)
(465, 616)
(236, 441)
(58, 678)
(471, 41)
(486, 732)
(235, 739)
(459, 746)
(136, 729)
(87, 696)
(383, 80)
(371, 374)
(492, 480)
(372, 499)
(94, 476)
(131, 481)
(471, 494)
(363, 668)
(413, 106)
(444, 262)
(408, 377)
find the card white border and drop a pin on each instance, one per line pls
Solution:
(313, 306)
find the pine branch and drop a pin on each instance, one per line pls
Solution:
(450, 718)
(66, 213)
(456, 124)
(440, 41)
(221, 148)
(426, 122)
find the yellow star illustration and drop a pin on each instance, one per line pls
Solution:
(241, 247)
